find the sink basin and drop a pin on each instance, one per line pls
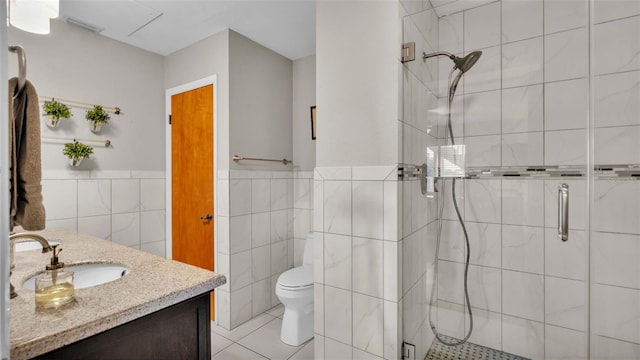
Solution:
(32, 245)
(88, 275)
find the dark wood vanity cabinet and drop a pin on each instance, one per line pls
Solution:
(181, 331)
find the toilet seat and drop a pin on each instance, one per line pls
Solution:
(298, 278)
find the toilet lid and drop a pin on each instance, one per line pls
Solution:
(298, 277)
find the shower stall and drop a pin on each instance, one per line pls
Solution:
(534, 161)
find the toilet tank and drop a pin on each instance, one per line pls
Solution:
(307, 258)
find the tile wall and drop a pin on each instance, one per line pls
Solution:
(526, 103)
(615, 233)
(127, 207)
(357, 257)
(302, 212)
(262, 221)
(526, 287)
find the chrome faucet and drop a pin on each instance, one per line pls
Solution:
(25, 235)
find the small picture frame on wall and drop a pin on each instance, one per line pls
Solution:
(313, 122)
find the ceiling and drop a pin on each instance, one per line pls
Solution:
(165, 26)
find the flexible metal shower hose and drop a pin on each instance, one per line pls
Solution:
(448, 134)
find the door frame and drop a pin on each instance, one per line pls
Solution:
(209, 80)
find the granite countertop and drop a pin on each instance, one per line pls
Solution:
(154, 283)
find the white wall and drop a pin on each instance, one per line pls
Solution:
(357, 52)
(118, 194)
(205, 58)
(254, 96)
(255, 231)
(260, 94)
(304, 96)
(358, 247)
(75, 64)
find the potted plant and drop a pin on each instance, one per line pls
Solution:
(97, 116)
(76, 151)
(55, 111)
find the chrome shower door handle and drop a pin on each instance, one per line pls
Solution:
(563, 212)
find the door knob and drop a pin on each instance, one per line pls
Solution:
(206, 218)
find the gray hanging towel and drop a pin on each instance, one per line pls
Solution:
(25, 172)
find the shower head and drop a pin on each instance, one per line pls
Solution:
(463, 64)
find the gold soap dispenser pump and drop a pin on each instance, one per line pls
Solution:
(54, 287)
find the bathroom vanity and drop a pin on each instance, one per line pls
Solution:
(159, 309)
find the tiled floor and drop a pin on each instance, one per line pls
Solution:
(258, 338)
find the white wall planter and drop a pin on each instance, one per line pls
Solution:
(52, 122)
(75, 162)
(96, 127)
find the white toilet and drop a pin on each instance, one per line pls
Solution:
(295, 291)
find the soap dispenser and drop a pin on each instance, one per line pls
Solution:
(54, 287)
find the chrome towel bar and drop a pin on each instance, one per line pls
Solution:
(237, 158)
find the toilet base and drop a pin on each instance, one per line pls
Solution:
(297, 326)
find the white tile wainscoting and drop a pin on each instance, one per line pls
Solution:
(357, 259)
(127, 207)
(263, 219)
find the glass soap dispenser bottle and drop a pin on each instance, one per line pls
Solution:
(54, 287)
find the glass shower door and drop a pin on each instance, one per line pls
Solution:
(521, 114)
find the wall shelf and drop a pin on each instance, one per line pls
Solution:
(102, 142)
(114, 109)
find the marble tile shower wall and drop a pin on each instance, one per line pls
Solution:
(615, 235)
(357, 257)
(615, 279)
(263, 218)
(127, 207)
(526, 287)
(526, 103)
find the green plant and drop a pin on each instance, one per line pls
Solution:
(97, 115)
(56, 109)
(77, 150)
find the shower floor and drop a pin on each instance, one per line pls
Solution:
(466, 351)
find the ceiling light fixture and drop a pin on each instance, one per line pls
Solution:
(33, 15)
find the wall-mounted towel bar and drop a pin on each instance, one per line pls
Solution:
(113, 109)
(237, 158)
(103, 142)
(22, 65)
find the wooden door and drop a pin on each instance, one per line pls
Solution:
(192, 178)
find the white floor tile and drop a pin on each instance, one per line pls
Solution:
(277, 311)
(266, 341)
(306, 353)
(236, 352)
(244, 329)
(218, 343)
